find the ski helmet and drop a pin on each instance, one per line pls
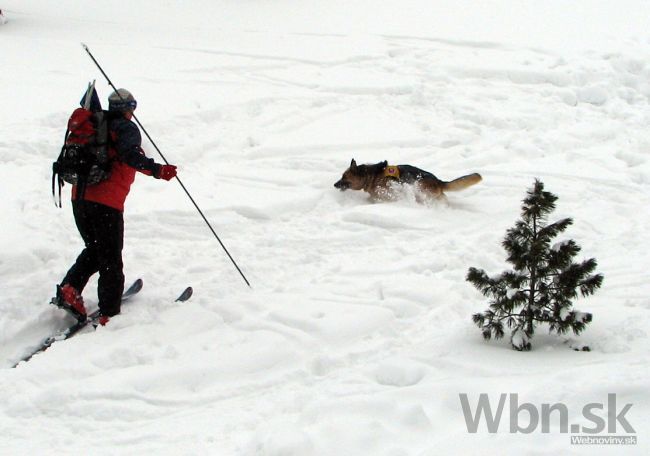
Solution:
(121, 100)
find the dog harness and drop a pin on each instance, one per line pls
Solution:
(391, 171)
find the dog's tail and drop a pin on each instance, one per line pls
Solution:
(462, 182)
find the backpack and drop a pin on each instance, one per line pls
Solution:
(84, 158)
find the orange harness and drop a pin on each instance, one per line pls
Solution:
(391, 171)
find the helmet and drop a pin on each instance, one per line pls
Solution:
(121, 100)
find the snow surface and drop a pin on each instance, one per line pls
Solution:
(356, 337)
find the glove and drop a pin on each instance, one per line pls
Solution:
(166, 172)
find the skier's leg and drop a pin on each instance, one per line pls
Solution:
(110, 235)
(87, 262)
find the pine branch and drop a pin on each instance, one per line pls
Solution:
(591, 284)
(552, 230)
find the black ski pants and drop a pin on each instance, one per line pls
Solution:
(102, 230)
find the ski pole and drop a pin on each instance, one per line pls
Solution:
(166, 162)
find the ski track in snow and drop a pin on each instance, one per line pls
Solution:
(356, 336)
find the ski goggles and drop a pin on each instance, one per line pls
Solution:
(123, 105)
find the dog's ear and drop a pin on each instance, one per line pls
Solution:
(384, 163)
(353, 164)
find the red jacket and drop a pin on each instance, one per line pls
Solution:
(128, 157)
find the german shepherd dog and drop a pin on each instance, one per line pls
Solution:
(379, 179)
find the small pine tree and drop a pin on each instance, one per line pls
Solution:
(544, 279)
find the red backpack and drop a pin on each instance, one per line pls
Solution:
(84, 157)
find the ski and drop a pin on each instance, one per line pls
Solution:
(185, 295)
(132, 290)
(67, 333)
(79, 325)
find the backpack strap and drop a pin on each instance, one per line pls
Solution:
(81, 188)
(57, 203)
(55, 173)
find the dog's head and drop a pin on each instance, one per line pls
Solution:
(354, 178)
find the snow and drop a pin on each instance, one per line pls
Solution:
(356, 337)
(519, 338)
(510, 292)
(560, 244)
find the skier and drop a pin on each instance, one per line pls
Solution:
(98, 214)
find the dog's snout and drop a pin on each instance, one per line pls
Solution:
(341, 185)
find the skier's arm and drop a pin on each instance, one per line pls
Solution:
(127, 145)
